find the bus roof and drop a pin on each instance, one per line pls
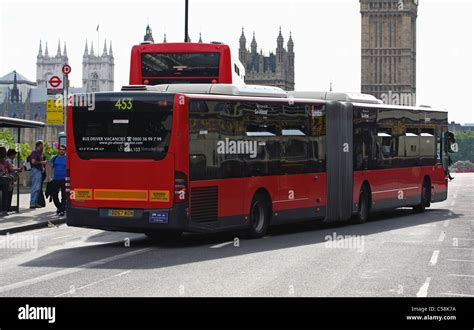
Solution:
(171, 47)
(336, 96)
(216, 89)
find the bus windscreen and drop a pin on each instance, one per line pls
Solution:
(180, 64)
(124, 126)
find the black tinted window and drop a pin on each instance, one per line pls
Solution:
(180, 64)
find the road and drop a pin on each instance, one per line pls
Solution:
(396, 254)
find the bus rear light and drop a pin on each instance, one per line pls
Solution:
(163, 103)
(180, 187)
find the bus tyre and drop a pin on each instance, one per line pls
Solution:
(363, 211)
(163, 236)
(425, 200)
(259, 218)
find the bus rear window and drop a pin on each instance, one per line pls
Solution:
(180, 64)
(124, 126)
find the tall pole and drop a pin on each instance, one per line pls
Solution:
(186, 20)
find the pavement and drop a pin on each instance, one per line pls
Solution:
(396, 254)
(28, 219)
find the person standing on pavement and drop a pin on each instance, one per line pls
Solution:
(37, 169)
(6, 171)
(11, 154)
(59, 180)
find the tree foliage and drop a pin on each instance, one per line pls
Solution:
(465, 141)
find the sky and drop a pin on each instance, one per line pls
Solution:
(326, 34)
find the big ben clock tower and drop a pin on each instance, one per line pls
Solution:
(389, 49)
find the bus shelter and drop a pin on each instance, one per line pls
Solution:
(7, 122)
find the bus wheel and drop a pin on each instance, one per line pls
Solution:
(425, 199)
(259, 216)
(363, 213)
(163, 236)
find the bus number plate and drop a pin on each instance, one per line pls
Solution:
(121, 213)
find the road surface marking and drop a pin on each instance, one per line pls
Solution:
(94, 283)
(72, 270)
(460, 260)
(446, 223)
(423, 292)
(458, 294)
(55, 238)
(465, 239)
(434, 258)
(461, 275)
(217, 246)
(462, 248)
(442, 236)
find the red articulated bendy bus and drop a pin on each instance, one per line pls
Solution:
(165, 159)
(184, 63)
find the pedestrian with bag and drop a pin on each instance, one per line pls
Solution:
(6, 170)
(11, 154)
(37, 170)
(59, 180)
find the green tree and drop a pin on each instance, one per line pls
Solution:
(465, 141)
(48, 151)
(6, 139)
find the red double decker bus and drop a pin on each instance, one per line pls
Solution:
(184, 63)
(165, 159)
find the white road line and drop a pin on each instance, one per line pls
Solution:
(423, 292)
(55, 238)
(462, 248)
(458, 294)
(72, 270)
(464, 239)
(94, 283)
(217, 246)
(460, 260)
(434, 258)
(442, 236)
(461, 275)
(446, 223)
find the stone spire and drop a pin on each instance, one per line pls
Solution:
(148, 35)
(200, 38)
(40, 51)
(65, 51)
(92, 48)
(111, 53)
(290, 43)
(280, 40)
(164, 39)
(104, 52)
(86, 50)
(243, 40)
(58, 52)
(253, 44)
(46, 54)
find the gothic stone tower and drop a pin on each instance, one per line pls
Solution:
(49, 65)
(389, 50)
(98, 70)
(277, 69)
